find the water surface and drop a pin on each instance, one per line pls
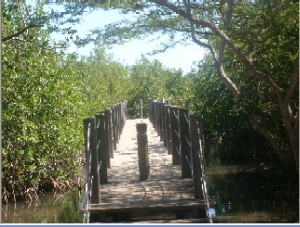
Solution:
(52, 208)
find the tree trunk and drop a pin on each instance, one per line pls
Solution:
(291, 127)
(283, 96)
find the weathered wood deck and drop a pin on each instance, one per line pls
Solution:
(164, 191)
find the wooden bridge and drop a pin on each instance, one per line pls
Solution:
(164, 183)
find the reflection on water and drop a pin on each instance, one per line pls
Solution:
(52, 208)
(239, 194)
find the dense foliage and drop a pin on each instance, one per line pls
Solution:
(152, 80)
(225, 125)
(46, 95)
(104, 81)
(43, 104)
(253, 47)
(246, 88)
(39, 117)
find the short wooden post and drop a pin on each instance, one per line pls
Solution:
(142, 140)
(175, 145)
(197, 173)
(185, 147)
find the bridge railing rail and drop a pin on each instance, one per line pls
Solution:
(182, 134)
(101, 134)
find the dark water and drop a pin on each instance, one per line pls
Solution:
(237, 195)
(243, 198)
(52, 208)
(241, 194)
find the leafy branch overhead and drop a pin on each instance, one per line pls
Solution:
(258, 38)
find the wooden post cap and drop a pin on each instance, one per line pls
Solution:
(141, 128)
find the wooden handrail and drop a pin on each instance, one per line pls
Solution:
(101, 133)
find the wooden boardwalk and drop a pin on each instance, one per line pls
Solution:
(165, 195)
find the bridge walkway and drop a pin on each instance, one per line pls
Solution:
(164, 196)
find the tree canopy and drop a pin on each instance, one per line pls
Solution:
(253, 45)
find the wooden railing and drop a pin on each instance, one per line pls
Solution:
(182, 134)
(180, 131)
(102, 133)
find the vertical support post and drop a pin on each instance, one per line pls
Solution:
(142, 140)
(114, 130)
(119, 121)
(117, 124)
(175, 145)
(186, 166)
(197, 173)
(87, 145)
(166, 125)
(108, 130)
(161, 121)
(122, 116)
(105, 138)
(150, 100)
(102, 148)
(155, 109)
(168, 129)
(125, 110)
(95, 197)
(158, 118)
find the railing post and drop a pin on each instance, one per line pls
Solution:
(143, 155)
(157, 118)
(119, 120)
(150, 108)
(93, 159)
(108, 131)
(114, 127)
(87, 145)
(116, 123)
(125, 110)
(186, 164)
(103, 154)
(175, 145)
(197, 172)
(168, 126)
(161, 120)
(122, 116)
(155, 115)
